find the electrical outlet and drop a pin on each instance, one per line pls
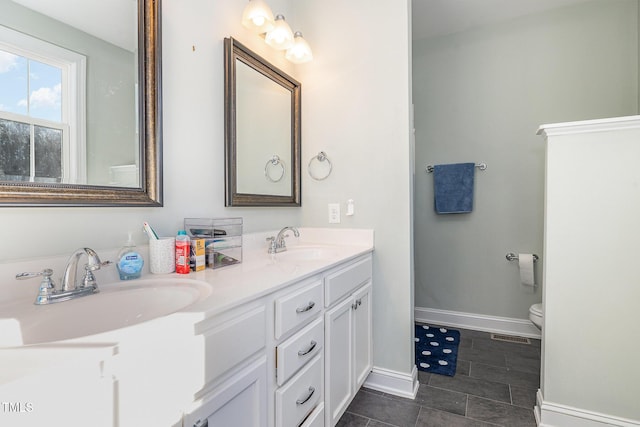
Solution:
(334, 213)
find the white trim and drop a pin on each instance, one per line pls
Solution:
(478, 322)
(587, 126)
(550, 414)
(393, 382)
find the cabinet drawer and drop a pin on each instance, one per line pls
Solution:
(292, 354)
(345, 280)
(232, 340)
(296, 400)
(294, 309)
(316, 419)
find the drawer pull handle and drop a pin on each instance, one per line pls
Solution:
(307, 308)
(304, 400)
(308, 350)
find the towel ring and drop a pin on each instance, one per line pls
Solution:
(274, 161)
(320, 157)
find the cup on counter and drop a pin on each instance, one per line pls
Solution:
(162, 255)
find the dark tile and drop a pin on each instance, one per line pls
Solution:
(470, 333)
(504, 375)
(462, 367)
(475, 386)
(499, 413)
(434, 418)
(506, 347)
(423, 377)
(465, 342)
(486, 356)
(524, 363)
(352, 420)
(393, 411)
(374, 423)
(523, 397)
(444, 400)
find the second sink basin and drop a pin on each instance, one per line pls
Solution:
(307, 253)
(116, 306)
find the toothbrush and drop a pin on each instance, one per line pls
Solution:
(150, 231)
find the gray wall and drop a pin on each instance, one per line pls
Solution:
(480, 96)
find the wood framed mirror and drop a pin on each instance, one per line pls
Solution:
(262, 131)
(97, 173)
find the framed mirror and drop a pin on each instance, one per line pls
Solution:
(262, 131)
(82, 123)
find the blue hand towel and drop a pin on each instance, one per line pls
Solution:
(453, 187)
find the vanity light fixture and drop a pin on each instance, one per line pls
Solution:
(257, 16)
(300, 52)
(281, 36)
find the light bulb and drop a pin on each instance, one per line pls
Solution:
(257, 16)
(281, 36)
(300, 51)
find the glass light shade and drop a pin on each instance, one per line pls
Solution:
(257, 16)
(300, 51)
(281, 36)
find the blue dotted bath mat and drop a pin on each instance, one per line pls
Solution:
(436, 349)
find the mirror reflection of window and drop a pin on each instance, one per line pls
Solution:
(38, 86)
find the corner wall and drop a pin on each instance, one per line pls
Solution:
(356, 106)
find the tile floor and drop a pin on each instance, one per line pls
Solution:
(495, 385)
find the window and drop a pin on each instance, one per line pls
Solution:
(42, 136)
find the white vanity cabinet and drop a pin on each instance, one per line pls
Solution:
(348, 335)
(294, 358)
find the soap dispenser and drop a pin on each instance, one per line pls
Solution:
(130, 262)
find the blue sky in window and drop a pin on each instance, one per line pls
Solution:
(45, 80)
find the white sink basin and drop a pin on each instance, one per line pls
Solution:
(116, 306)
(307, 253)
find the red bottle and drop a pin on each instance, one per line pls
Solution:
(183, 251)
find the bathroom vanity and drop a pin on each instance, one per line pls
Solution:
(279, 340)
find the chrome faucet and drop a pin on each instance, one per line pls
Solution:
(69, 289)
(71, 270)
(277, 244)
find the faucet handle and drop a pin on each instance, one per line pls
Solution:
(47, 286)
(46, 273)
(272, 244)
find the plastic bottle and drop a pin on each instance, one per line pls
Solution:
(183, 250)
(130, 262)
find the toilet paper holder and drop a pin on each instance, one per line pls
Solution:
(513, 257)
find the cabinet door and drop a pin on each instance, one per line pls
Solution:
(363, 334)
(239, 402)
(339, 375)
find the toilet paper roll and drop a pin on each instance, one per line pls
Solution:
(525, 262)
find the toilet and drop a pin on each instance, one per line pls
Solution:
(535, 315)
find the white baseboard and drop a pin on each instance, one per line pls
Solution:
(478, 322)
(393, 382)
(550, 414)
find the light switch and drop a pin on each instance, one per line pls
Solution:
(334, 213)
